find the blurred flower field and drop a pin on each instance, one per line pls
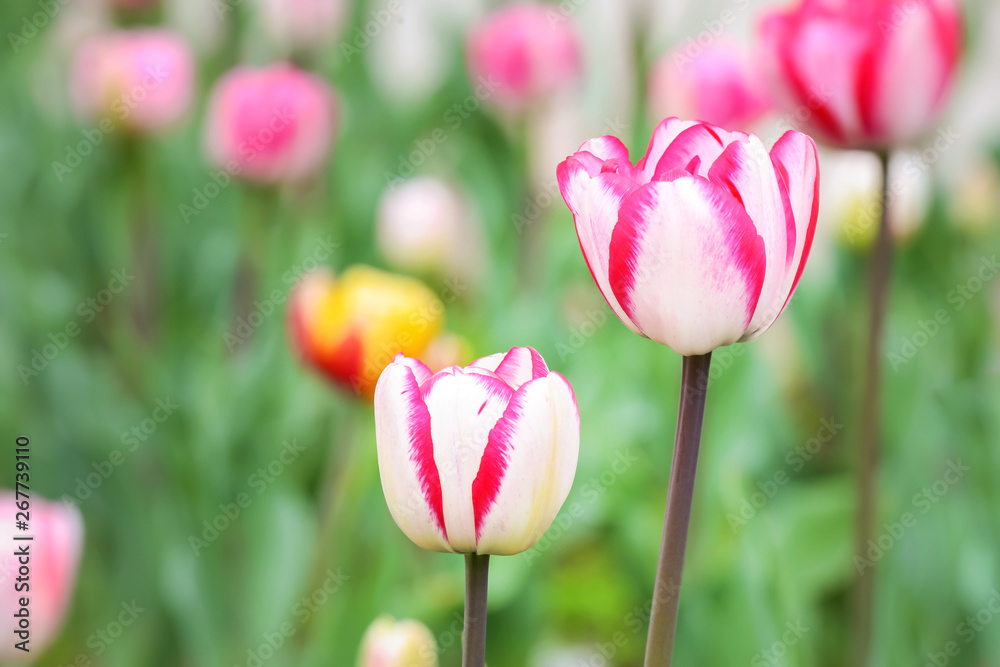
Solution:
(227, 475)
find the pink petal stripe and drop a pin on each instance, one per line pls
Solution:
(521, 365)
(422, 449)
(698, 142)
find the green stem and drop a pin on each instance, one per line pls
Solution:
(666, 596)
(881, 271)
(476, 574)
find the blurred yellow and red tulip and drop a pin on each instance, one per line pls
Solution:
(141, 79)
(54, 555)
(720, 84)
(424, 225)
(700, 244)
(351, 327)
(392, 643)
(271, 125)
(476, 460)
(867, 74)
(526, 51)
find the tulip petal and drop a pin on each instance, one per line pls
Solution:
(420, 370)
(687, 264)
(410, 478)
(663, 136)
(610, 150)
(695, 143)
(797, 164)
(528, 467)
(490, 363)
(521, 365)
(595, 203)
(746, 170)
(466, 407)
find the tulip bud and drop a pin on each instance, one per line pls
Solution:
(140, 79)
(863, 74)
(425, 226)
(349, 328)
(301, 24)
(391, 643)
(270, 125)
(477, 459)
(719, 84)
(525, 52)
(702, 243)
(54, 555)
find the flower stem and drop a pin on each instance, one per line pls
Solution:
(881, 271)
(666, 594)
(476, 574)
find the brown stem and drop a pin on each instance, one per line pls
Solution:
(881, 271)
(666, 594)
(476, 575)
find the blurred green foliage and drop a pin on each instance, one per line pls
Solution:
(586, 586)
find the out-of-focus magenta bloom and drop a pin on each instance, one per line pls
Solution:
(525, 52)
(863, 73)
(295, 24)
(55, 552)
(271, 125)
(720, 84)
(140, 79)
(700, 244)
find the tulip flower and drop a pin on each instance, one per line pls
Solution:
(476, 460)
(57, 530)
(271, 125)
(698, 245)
(391, 643)
(702, 243)
(307, 24)
(866, 74)
(527, 51)
(872, 75)
(142, 79)
(720, 84)
(349, 328)
(424, 225)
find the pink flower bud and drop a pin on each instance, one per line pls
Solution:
(523, 52)
(391, 643)
(50, 569)
(271, 125)
(719, 84)
(302, 24)
(140, 79)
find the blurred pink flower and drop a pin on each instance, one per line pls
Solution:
(141, 79)
(526, 51)
(720, 84)
(864, 73)
(54, 555)
(271, 125)
(309, 24)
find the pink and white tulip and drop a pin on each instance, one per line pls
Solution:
(271, 125)
(700, 244)
(57, 529)
(527, 51)
(141, 79)
(476, 460)
(720, 84)
(309, 24)
(867, 74)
